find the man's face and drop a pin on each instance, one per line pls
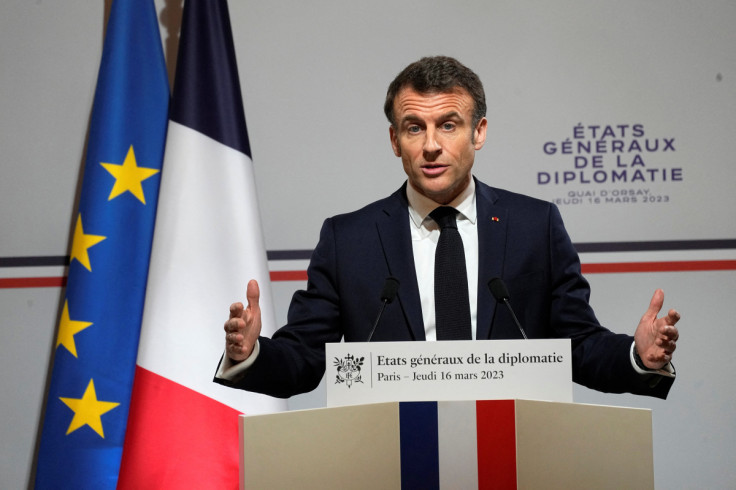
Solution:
(436, 140)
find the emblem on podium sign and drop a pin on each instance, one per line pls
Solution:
(349, 370)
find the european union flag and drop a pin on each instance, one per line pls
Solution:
(97, 341)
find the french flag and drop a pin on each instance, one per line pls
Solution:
(183, 428)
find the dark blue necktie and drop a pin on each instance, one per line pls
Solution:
(451, 303)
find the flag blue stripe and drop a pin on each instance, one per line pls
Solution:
(130, 109)
(207, 94)
(419, 438)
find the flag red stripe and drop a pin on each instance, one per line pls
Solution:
(496, 421)
(182, 438)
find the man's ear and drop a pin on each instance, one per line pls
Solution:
(479, 134)
(394, 140)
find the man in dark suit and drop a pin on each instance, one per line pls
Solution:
(436, 107)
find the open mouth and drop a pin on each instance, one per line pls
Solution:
(433, 168)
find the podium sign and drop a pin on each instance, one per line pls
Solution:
(361, 373)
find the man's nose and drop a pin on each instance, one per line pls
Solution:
(432, 147)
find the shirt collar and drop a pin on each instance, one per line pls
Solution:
(420, 206)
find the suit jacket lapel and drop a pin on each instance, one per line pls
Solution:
(492, 228)
(395, 235)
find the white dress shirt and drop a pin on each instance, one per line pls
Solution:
(424, 236)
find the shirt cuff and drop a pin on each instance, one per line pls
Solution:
(666, 370)
(230, 370)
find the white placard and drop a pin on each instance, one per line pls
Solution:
(360, 372)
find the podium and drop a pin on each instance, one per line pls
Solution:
(498, 444)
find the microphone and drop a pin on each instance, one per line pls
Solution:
(501, 293)
(390, 288)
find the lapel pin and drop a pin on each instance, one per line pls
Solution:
(495, 218)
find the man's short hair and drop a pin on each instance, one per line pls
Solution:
(437, 74)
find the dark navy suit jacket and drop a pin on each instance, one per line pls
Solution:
(520, 239)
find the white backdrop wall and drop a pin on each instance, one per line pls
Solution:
(314, 74)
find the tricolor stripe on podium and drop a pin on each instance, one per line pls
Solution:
(443, 442)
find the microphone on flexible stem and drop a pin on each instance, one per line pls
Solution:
(390, 287)
(501, 293)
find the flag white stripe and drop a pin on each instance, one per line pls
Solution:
(207, 245)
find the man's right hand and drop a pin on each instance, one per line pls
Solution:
(244, 325)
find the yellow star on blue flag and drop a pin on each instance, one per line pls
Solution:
(128, 176)
(82, 243)
(88, 410)
(68, 328)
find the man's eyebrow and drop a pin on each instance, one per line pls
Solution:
(411, 118)
(451, 115)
